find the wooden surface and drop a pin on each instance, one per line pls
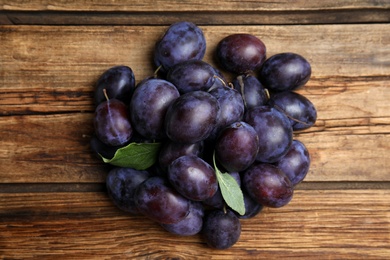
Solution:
(52, 197)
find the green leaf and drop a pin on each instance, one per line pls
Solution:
(231, 191)
(139, 156)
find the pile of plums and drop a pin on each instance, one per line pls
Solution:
(243, 127)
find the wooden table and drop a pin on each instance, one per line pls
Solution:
(52, 195)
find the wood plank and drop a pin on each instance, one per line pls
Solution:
(271, 17)
(50, 148)
(191, 5)
(201, 12)
(337, 224)
(50, 71)
(46, 69)
(55, 149)
(52, 192)
(340, 156)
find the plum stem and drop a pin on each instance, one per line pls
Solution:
(220, 79)
(155, 74)
(105, 94)
(224, 209)
(242, 89)
(267, 93)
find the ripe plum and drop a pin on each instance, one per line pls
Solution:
(237, 146)
(295, 163)
(241, 53)
(192, 117)
(156, 199)
(112, 124)
(182, 41)
(118, 81)
(299, 109)
(192, 177)
(121, 185)
(149, 105)
(274, 131)
(192, 75)
(285, 71)
(268, 185)
(221, 229)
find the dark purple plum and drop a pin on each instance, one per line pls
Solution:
(237, 146)
(192, 75)
(268, 185)
(192, 177)
(241, 53)
(295, 164)
(121, 185)
(182, 41)
(157, 200)
(190, 225)
(112, 123)
(296, 107)
(170, 151)
(119, 83)
(252, 91)
(149, 105)
(274, 131)
(221, 230)
(231, 108)
(192, 117)
(285, 71)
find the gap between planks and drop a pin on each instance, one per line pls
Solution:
(205, 17)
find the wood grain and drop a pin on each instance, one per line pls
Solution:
(191, 5)
(49, 149)
(55, 149)
(200, 12)
(83, 225)
(50, 72)
(61, 64)
(53, 202)
(233, 17)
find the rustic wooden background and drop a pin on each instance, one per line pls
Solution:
(52, 197)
